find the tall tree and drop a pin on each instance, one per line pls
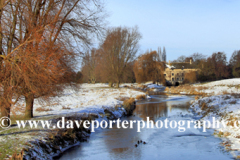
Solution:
(215, 67)
(118, 49)
(198, 59)
(234, 63)
(164, 55)
(160, 58)
(38, 40)
(147, 68)
(89, 64)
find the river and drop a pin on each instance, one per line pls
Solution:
(164, 143)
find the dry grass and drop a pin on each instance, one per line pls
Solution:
(225, 92)
(227, 97)
(122, 98)
(220, 134)
(18, 108)
(233, 102)
(140, 97)
(188, 89)
(226, 134)
(141, 86)
(202, 88)
(129, 105)
(63, 107)
(128, 102)
(42, 109)
(231, 120)
(237, 136)
(203, 106)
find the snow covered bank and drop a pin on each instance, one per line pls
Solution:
(223, 108)
(91, 101)
(90, 98)
(221, 86)
(228, 86)
(148, 86)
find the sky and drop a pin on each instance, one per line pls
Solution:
(184, 27)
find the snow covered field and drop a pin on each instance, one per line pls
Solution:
(222, 86)
(228, 86)
(90, 98)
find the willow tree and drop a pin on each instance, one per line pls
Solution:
(118, 49)
(148, 67)
(39, 42)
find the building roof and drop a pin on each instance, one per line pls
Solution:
(181, 65)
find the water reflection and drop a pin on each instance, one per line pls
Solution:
(119, 143)
(164, 109)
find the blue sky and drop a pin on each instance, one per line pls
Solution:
(182, 26)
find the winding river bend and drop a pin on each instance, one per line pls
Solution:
(164, 143)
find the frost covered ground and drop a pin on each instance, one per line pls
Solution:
(88, 99)
(221, 87)
(219, 99)
(226, 110)
(228, 86)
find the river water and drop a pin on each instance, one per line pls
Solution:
(164, 143)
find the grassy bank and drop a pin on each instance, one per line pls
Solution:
(43, 143)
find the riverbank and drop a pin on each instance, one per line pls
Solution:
(221, 100)
(87, 103)
(228, 86)
(167, 143)
(224, 108)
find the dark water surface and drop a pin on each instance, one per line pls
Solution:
(164, 143)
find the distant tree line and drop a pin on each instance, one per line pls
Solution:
(214, 67)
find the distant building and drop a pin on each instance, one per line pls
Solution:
(174, 72)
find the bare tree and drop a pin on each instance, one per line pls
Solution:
(118, 49)
(181, 59)
(198, 57)
(214, 68)
(38, 39)
(89, 64)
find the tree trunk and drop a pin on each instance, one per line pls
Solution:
(118, 83)
(5, 112)
(110, 84)
(5, 108)
(29, 106)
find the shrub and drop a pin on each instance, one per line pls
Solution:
(129, 102)
(129, 105)
(63, 107)
(139, 97)
(42, 109)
